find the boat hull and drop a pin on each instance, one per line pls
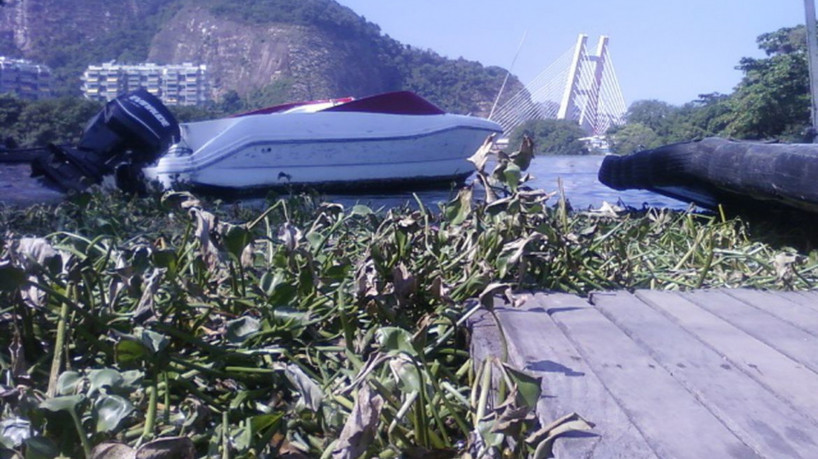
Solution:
(334, 151)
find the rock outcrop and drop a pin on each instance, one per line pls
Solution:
(244, 56)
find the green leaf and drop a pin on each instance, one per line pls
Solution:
(67, 383)
(104, 378)
(511, 176)
(395, 340)
(236, 238)
(407, 373)
(315, 239)
(458, 209)
(491, 438)
(132, 379)
(240, 329)
(242, 437)
(306, 281)
(279, 291)
(165, 259)
(141, 259)
(81, 200)
(523, 157)
(63, 403)
(263, 422)
(285, 316)
(155, 342)
(361, 210)
(130, 352)
(41, 448)
(11, 278)
(110, 410)
(337, 272)
(529, 388)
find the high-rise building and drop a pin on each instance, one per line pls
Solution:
(182, 84)
(24, 78)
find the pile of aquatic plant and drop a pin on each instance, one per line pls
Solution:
(165, 325)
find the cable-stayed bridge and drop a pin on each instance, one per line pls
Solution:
(578, 86)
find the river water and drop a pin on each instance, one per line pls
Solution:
(578, 174)
(579, 180)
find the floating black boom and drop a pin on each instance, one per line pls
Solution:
(716, 171)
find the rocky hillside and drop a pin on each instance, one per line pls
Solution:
(264, 51)
(310, 62)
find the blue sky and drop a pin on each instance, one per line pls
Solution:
(670, 50)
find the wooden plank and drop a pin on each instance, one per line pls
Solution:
(538, 346)
(568, 385)
(750, 410)
(793, 382)
(782, 305)
(778, 334)
(812, 295)
(806, 298)
(670, 418)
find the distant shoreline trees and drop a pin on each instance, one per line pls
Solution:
(772, 101)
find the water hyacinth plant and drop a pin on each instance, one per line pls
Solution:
(166, 326)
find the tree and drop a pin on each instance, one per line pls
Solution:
(53, 120)
(656, 115)
(772, 100)
(633, 137)
(275, 93)
(551, 137)
(10, 108)
(188, 113)
(710, 113)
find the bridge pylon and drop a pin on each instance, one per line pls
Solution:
(579, 86)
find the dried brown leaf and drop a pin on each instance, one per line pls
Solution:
(362, 423)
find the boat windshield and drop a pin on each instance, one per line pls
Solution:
(311, 108)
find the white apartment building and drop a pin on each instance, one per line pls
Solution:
(178, 84)
(24, 78)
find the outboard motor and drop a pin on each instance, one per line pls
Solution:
(132, 130)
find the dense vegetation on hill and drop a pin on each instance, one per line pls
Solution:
(328, 15)
(771, 102)
(68, 43)
(66, 39)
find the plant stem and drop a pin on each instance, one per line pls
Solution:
(86, 447)
(150, 417)
(59, 345)
(224, 441)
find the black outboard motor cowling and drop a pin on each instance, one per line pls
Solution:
(134, 128)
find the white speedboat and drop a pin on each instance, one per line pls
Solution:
(386, 141)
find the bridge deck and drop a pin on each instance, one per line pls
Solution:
(716, 373)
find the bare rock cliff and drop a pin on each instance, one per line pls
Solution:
(245, 57)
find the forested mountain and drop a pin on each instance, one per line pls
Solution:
(257, 51)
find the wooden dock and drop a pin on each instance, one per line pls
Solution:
(703, 374)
